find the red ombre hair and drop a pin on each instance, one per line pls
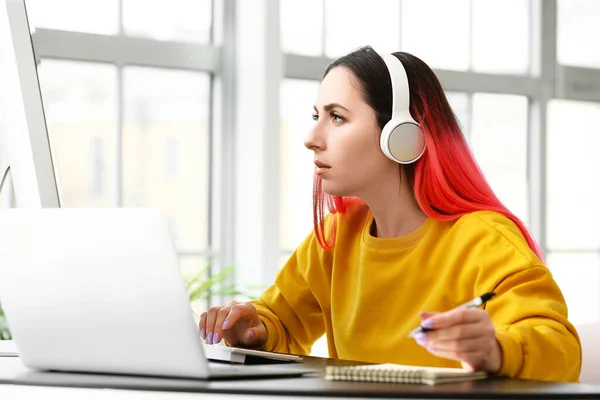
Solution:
(447, 182)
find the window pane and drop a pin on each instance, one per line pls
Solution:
(296, 179)
(349, 25)
(178, 20)
(166, 149)
(80, 101)
(319, 348)
(578, 275)
(302, 27)
(496, 47)
(90, 16)
(462, 109)
(441, 39)
(499, 142)
(578, 32)
(573, 209)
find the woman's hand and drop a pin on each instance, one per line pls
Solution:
(466, 334)
(237, 323)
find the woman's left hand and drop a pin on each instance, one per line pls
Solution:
(466, 335)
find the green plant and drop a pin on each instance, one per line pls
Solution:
(201, 286)
(4, 331)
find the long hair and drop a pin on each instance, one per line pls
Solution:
(446, 181)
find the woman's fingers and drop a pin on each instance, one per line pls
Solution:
(211, 319)
(467, 335)
(236, 323)
(222, 315)
(454, 317)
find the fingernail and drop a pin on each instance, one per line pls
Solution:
(210, 334)
(216, 338)
(428, 323)
(203, 333)
(250, 335)
(421, 338)
(225, 324)
(431, 350)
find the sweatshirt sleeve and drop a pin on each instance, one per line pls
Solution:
(536, 338)
(288, 308)
(528, 311)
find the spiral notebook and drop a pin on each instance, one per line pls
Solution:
(396, 373)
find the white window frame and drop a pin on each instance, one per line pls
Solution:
(122, 51)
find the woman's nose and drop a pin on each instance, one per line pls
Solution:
(313, 139)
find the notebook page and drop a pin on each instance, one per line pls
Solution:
(429, 371)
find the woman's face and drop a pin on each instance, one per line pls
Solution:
(345, 138)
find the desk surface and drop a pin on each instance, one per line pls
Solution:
(12, 372)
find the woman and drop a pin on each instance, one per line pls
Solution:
(406, 241)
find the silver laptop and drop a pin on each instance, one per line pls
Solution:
(100, 290)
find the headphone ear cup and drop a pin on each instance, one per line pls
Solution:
(384, 140)
(402, 141)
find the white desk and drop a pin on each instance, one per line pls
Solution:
(14, 392)
(19, 383)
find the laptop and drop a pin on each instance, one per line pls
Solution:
(100, 290)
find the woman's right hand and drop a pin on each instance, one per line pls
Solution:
(237, 323)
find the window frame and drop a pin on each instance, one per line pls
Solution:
(123, 51)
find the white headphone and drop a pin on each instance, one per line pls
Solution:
(402, 139)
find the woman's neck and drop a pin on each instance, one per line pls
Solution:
(395, 212)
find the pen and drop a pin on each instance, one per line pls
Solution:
(476, 302)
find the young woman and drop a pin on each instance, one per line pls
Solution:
(405, 242)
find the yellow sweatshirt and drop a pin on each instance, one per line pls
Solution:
(366, 294)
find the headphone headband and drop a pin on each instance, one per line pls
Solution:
(400, 90)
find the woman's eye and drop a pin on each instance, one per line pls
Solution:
(336, 117)
(315, 117)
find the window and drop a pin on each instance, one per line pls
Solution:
(573, 209)
(176, 20)
(89, 16)
(442, 38)
(296, 37)
(459, 35)
(499, 143)
(578, 275)
(348, 27)
(162, 105)
(494, 47)
(125, 134)
(296, 178)
(578, 33)
(80, 101)
(573, 205)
